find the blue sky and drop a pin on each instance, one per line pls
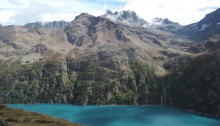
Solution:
(20, 12)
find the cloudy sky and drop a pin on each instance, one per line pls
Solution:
(20, 12)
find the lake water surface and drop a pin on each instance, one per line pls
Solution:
(121, 115)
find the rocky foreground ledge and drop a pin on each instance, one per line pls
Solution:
(19, 117)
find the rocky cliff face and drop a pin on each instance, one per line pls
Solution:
(165, 25)
(4, 123)
(195, 85)
(205, 28)
(126, 17)
(94, 60)
(210, 19)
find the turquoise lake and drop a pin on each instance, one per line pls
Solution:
(121, 115)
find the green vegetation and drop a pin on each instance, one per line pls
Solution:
(80, 83)
(32, 83)
(195, 85)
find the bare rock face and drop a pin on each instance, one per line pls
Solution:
(89, 30)
(205, 28)
(3, 123)
(39, 48)
(81, 30)
(210, 19)
(129, 18)
(165, 25)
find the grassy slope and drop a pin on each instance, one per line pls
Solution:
(19, 117)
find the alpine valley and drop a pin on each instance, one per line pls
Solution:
(114, 59)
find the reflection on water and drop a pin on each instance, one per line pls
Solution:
(121, 115)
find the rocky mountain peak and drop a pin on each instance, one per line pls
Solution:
(126, 17)
(205, 28)
(160, 21)
(54, 24)
(87, 30)
(212, 18)
(108, 12)
(85, 19)
(1, 26)
(164, 24)
(83, 15)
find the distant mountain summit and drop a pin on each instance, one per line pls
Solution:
(126, 17)
(159, 21)
(1, 26)
(206, 27)
(211, 19)
(89, 30)
(130, 18)
(164, 24)
(54, 24)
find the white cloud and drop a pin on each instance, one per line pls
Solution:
(26, 11)
(5, 17)
(20, 12)
(19, 2)
(182, 11)
(31, 13)
(47, 17)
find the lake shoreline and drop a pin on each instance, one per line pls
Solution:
(185, 110)
(121, 115)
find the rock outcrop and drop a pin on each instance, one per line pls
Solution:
(165, 25)
(3, 123)
(129, 18)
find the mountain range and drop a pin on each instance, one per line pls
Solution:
(54, 24)
(116, 58)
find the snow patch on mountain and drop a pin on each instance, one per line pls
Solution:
(156, 22)
(126, 17)
(204, 26)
